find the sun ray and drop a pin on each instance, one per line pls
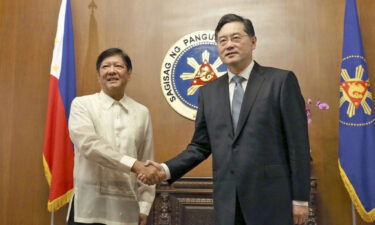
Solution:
(193, 89)
(187, 76)
(351, 110)
(359, 72)
(193, 63)
(217, 63)
(206, 56)
(345, 75)
(342, 100)
(366, 108)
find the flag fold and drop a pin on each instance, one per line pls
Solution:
(356, 120)
(58, 153)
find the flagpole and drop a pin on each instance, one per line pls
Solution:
(354, 218)
(52, 218)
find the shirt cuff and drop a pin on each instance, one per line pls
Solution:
(144, 207)
(128, 162)
(301, 203)
(166, 170)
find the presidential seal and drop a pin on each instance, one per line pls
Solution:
(355, 93)
(193, 61)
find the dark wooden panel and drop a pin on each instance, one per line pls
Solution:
(189, 201)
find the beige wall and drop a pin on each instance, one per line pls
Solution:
(302, 35)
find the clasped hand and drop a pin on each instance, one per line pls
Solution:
(149, 172)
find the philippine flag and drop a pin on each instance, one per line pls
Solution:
(58, 153)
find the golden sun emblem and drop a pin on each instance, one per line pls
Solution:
(203, 73)
(355, 91)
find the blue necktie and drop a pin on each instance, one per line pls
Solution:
(237, 99)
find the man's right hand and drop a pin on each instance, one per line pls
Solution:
(151, 174)
(156, 178)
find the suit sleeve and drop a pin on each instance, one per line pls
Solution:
(296, 131)
(198, 149)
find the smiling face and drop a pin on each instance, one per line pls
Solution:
(236, 51)
(113, 76)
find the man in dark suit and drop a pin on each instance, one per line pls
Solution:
(253, 122)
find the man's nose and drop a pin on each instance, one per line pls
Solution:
(230, 44)
(111, 69)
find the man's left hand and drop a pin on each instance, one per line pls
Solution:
(142, 219)
(300, 214)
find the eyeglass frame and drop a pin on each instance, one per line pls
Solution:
(235, 38)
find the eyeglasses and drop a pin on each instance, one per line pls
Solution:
(235, 38)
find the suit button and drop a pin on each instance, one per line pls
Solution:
(231, 171)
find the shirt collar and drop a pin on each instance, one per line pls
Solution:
(108, 101)
(245, 73)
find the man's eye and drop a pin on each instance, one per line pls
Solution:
(222, 41)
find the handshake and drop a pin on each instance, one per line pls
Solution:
(149, 172)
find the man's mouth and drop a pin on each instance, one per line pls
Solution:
(112, 79)
(230, 54)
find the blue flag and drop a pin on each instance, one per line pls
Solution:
(357, 127)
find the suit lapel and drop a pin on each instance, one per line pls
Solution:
(253, 86)
(223, 95)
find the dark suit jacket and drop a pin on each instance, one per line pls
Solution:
(265, 161)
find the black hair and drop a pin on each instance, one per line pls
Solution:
(111, 52)
(229, 18)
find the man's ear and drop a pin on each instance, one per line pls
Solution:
(129, 74)
(254, 41)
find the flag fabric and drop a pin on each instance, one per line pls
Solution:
(357, 127)
(58, 156)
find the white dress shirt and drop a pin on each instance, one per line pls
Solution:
(245, 74)
(108, 137)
